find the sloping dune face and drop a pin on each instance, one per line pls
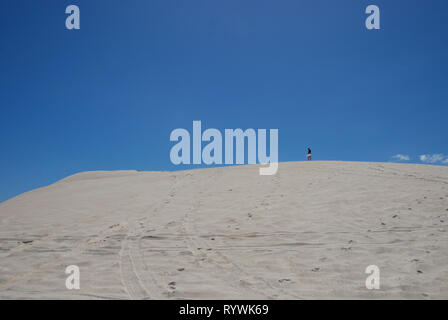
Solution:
(310, 231)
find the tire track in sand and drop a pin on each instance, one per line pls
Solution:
(132, 263)
(255, 284)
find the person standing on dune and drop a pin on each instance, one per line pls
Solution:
(309, 154)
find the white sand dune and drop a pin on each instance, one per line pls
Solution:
(228, 233)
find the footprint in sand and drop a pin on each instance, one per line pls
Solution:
(172, 285)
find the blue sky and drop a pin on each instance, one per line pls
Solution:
(107, 96)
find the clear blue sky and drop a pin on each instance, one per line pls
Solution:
(107, 96)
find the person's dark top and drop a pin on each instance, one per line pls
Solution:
(309, 151)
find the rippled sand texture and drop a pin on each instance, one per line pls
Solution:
(228, 233)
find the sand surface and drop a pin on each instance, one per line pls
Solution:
(228, 233)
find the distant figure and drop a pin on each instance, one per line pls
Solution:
(309, 154)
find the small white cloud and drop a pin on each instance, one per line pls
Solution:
(401, 157)
(434, 158)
